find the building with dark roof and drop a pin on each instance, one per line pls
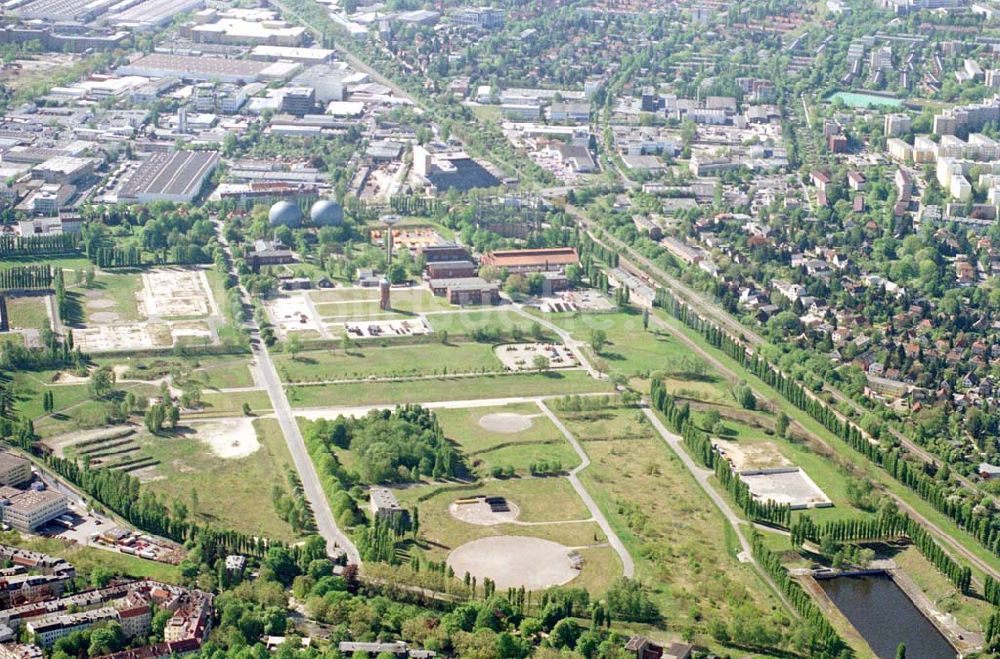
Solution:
(461, 174)
(449, 251)
(466, 290)
(450, 269)
(269, 252)
(14, 470)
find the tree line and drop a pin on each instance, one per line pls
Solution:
(63, 243)
(114, 257)
(700, 444)
(823, 639)
(26, 277)
(885, 526)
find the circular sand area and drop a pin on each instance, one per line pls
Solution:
(100, 303)
(514, 561)
(482, 514)
(505, 422)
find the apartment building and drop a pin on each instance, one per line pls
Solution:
(14, 470)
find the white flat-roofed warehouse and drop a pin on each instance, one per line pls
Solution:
(177, 177)
(292, 54)
(190, 67)
(151, 14)
(239, 31)
(66, 169)
(63, 10)
(27, 510)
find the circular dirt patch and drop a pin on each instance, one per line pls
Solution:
(514, 561)
(104, 317)
(100, 303)
(505, 422)
(480, 512)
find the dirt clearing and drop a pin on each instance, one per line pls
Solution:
(229, 438)
(515, 561)
(506, 422)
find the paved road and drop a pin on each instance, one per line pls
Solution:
(702, 475)
(335, 538)
(267, 377)
(628, 566)
(313, 413)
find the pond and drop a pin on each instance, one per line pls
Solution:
(855, 100)
(886, 617)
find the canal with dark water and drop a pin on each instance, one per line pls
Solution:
(886, 617)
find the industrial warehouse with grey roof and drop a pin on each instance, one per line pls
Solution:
(177, 177)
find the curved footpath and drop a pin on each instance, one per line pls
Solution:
(628, 565)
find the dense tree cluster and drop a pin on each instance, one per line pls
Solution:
(398, 445)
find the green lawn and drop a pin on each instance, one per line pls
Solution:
(216, 284)
(635, 352)
(27, 313)
(406, 360)
(120, 289)
(343, 295)
(485, 449)
(461, 323)
(359, 302)
(425, 391)
(73, 409)
(487, 113)
(223, 373)
(233, 493)
(349, 311)
(210, 371)
(231, 404)
(606, 424)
